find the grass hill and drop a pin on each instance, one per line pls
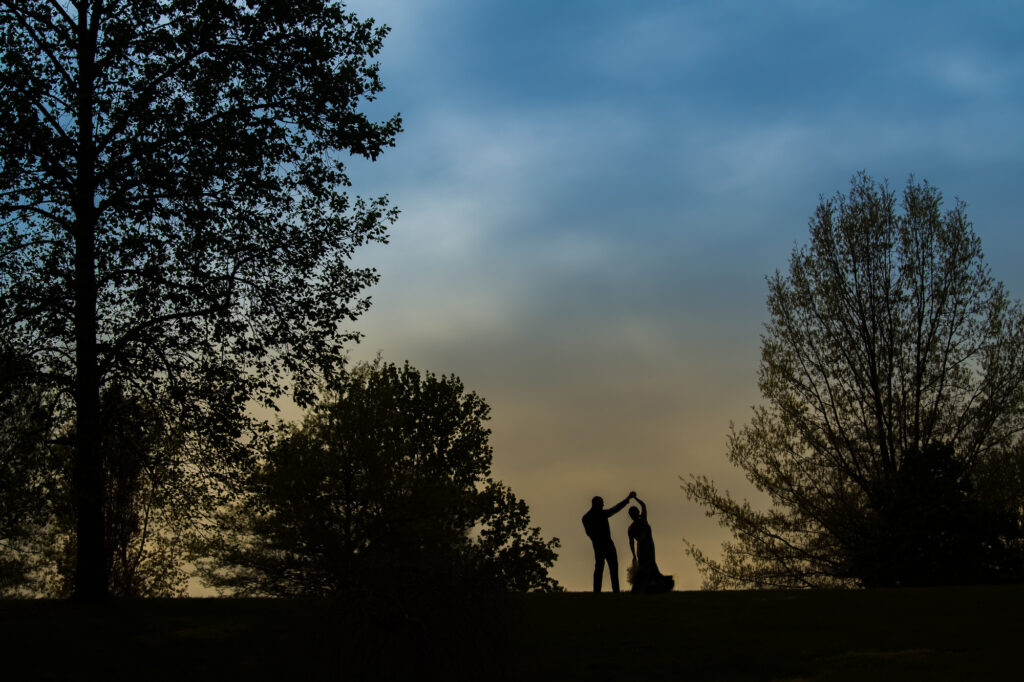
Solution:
(974, 633)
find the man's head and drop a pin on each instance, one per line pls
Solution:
(597, 502)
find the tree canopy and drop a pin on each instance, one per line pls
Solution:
(889, 442)
(387, 483)
(173, 214)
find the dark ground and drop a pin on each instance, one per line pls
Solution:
(972, 633)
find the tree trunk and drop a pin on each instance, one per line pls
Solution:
(91, 563)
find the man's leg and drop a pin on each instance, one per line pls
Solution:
(613, 566)
(598, 567)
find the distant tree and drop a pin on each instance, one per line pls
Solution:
(25, 424)
(386, 482)
(155, 501)
(149, 498)
(173, 217)
(890, 442)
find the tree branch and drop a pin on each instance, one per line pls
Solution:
(37, 39)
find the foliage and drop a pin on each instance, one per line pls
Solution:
(173, 214)
(385, 483)
(154, 499)
(889, 445)
(932, 526)
(24, 483)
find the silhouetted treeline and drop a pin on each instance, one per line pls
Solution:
(384, 489)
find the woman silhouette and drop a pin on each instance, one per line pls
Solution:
(645, 576)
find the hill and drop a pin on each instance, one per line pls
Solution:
(970, 633)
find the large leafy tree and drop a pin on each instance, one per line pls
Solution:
(889, 441)
(173, 217)
(386, 484)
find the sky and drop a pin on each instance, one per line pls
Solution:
(593, 192)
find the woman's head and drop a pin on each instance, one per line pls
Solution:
(634, 513)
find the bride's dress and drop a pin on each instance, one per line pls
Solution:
(644, 575)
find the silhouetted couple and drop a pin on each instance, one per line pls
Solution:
(644, 576)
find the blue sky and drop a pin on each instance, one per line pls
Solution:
(592, 193)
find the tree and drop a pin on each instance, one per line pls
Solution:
(173, 212)
(154, 502)
(153, 497)
(889, 444)
(25, 486)
(386, 483)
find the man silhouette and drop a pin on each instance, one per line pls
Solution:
(595, 522)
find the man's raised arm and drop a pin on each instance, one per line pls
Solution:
(617, 508)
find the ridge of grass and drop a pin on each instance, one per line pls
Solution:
(963, 633)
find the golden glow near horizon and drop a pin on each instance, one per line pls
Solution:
(578, 426)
